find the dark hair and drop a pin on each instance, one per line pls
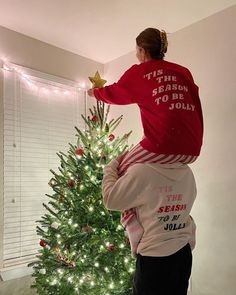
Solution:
(154, 42)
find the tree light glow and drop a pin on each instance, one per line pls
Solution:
(84, 251)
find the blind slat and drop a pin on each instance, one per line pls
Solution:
(36, 127)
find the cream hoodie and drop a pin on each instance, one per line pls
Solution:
(163, 196)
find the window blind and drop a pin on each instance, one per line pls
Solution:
(40, 113)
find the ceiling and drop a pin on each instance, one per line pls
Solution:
(101, 30)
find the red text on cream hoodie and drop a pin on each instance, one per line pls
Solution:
(163, 196)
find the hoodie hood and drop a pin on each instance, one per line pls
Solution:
(175, 171)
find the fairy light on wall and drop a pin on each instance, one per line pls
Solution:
(35, 84)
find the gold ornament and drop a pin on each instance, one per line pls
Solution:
(52, 182)
(87, 229)
(61, 199)
(97, 81)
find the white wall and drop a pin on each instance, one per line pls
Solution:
(208, 49)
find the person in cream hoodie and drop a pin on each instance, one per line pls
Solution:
(163, 195)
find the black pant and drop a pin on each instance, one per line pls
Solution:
(167, 275)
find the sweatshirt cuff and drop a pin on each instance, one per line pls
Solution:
(96, 93)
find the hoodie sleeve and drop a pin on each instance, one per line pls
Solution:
(121, 93)
(122, 193)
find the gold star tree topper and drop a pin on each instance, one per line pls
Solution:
(97, 81)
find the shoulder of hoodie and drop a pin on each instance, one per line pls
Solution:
(142, 67)
(143, 170)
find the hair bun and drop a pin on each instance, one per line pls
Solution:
(164, 42)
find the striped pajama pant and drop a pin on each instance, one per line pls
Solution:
(136, 155)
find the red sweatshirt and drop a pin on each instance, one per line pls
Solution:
(169, 104)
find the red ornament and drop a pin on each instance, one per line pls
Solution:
(79, 152)
(43, 243)
(110, 247)
(94, 118)
(111, 137)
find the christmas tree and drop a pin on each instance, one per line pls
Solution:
(83, 246)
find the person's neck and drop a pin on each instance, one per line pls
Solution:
(147, 58)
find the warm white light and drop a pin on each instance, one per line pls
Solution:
(91, 209)
(92, 283)
(122, 245)
(54, 282)
(69, 279)
(5, 67)
(45, 90)
(33, 83)
(24, 76)
(96, 264)
(60, 271)
(93, 178)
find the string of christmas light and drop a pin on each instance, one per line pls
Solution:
(46, 87)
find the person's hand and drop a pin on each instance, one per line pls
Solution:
(90, 92)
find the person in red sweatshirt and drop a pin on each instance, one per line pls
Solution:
(169, 104)
(170, 110)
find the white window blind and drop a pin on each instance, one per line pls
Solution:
(40, 113)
